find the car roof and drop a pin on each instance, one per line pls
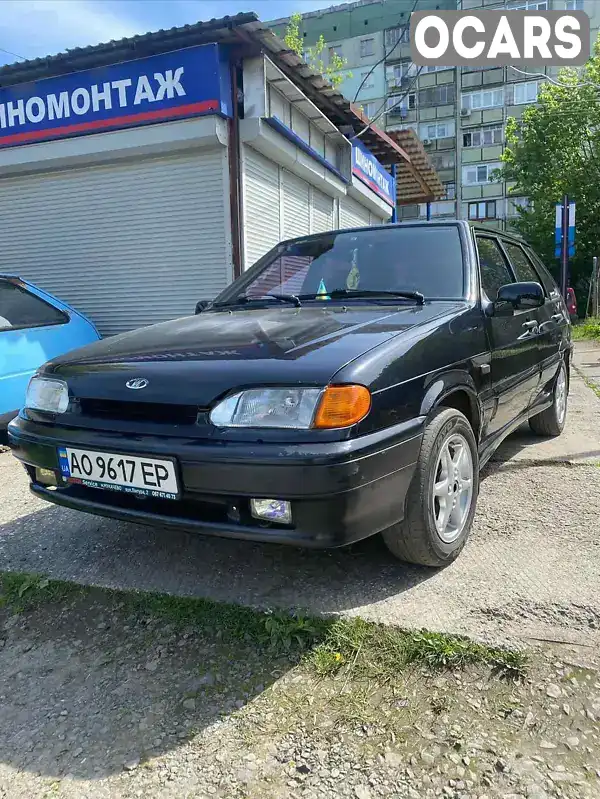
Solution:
(386, 226)
(477, 227)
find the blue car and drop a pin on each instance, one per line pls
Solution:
(34, 327)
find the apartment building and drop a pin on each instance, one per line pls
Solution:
(459, 113)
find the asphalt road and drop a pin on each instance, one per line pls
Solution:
(530, 570)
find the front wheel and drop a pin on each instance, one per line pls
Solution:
(441, 499)
(551, 422)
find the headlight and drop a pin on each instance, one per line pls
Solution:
(268, 407)
(297, 408)
(45, 394)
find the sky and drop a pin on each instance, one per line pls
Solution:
(35, 28)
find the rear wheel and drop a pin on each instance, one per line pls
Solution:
(551, 422)
(441, 500)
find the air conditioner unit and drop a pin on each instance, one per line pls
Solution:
(465, 112)
(426, 141)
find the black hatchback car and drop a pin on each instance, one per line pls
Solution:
(350, 383)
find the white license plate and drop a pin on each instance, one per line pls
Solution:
(118, 472)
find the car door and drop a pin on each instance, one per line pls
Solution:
(30, 332)
(550, 317)
(555, 322)
(514, 355)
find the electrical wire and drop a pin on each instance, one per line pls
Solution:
(386, 55)
(383, 109)
(542, 75)
(16, 55)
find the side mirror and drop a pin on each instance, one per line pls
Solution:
(201, 305)
(521, 296)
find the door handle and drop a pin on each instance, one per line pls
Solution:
(531, 329)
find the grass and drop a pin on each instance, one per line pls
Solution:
(352, 648)
(588, 329)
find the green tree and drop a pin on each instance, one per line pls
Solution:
(554, 149)
(314, 55)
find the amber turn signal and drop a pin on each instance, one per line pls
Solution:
(341, 406)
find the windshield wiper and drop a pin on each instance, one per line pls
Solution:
(245, 300)
(409, 295)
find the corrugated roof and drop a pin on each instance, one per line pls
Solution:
(252, 36)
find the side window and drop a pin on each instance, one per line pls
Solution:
(494, 269)
(548, 281)
(19, 308)
(521, 264)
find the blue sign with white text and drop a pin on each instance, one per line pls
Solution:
(368, 170)
(175, 85)
(558, 230)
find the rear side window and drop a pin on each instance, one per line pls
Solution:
(494, 269)
(548, 281)
(521, 264)
(20, 308)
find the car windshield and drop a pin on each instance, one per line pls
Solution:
(404, 259)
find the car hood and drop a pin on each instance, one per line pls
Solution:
(197, 359)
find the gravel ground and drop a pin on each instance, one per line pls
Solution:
(531, 569)
(98, 703)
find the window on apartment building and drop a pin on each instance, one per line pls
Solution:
(438, 209)
(485, 98)
(400, 73)
(405, 69)
(393, 36)
(527, 5)
(437, 95)
(483, 210)
(446, 160)
(574, 5)
(449, 191)
(437, 130)
(367, 47)
(478, 173)
(483, 137)
(369, 109)
(337, 49)
(525, 92)
(515, 204)
(399, 105)
(431, 68)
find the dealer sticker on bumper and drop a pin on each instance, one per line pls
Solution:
(128, 473)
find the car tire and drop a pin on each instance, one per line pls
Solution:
(421, 537)
(551, 422)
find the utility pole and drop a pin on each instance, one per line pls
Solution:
(595, 287)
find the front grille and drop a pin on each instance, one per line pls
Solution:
(121, 410)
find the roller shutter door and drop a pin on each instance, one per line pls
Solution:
(128, 244)
(352, 214)
(296, 206)
(322, 212)
(262, 207)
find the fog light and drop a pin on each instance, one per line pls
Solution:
(46, 477)
(272, 510)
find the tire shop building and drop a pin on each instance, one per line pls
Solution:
(139, 176)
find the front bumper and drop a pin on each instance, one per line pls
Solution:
(340, 492)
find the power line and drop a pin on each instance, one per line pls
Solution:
(384, 109)
(386, 55)
(16, 55)
(542, 75)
